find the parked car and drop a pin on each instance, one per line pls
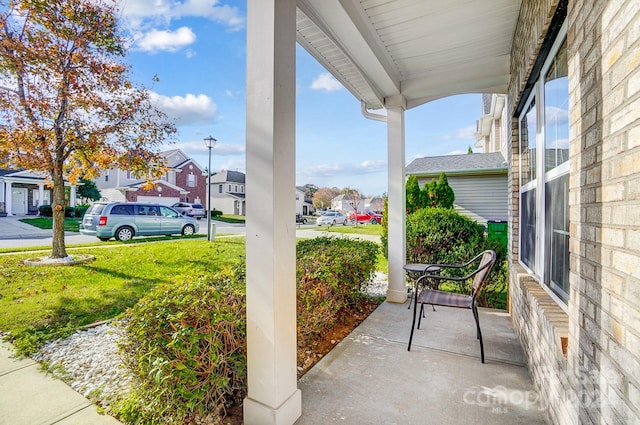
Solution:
(190, 210)
(365, 217)
(124, 220)
(331, 218)
(301, 219)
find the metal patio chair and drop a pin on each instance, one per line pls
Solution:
(424, 292)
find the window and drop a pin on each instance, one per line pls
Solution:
(236, 189)
(191, 180)
(229, 188)
(219, 188)
(106, 176)
(544, 174)
(122, 210)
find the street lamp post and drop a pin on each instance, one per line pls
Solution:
(210, 142)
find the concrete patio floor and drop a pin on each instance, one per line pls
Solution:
(371, 378)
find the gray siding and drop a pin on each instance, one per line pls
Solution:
(481, 197)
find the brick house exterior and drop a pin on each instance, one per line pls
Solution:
(185, 181)
(581, 335)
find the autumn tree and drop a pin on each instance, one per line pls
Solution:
(354, 198)
(67, 106)
(323, 196)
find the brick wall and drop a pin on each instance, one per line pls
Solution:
(598, 381)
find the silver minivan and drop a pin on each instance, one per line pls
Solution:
(124, 220)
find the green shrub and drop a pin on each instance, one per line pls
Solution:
(69, 212)
(45, 211)
(332, 274)
(185, 342)
(216, 213)
(186, 350)
(439, 235)
(80, 210)
(443, 236)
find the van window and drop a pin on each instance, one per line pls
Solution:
(122, 210)
(96, 209)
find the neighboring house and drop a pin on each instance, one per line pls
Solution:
(304, 205)
(375, 204)
(184, 181)
(22, 192)
(478, 180)
(228, 192)
(346, 203)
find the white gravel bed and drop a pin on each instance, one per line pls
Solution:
(89, 362)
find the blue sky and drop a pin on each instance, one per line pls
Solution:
(197, 48)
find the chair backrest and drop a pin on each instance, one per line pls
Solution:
(487, 261)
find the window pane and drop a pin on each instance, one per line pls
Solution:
(556, 110)
(528, 144)
(528, 228)
(557, 236)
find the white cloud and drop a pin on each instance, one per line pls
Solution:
(198, 148)
(141, 13)
(169, 41)
(186, 110)
(462, 133)
(343, 169)
(555, 115)
(325, 82)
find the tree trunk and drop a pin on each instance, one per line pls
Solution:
(58, 208)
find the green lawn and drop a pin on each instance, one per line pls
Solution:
(360, 229)
(230, 218)
(70, 224)
(42, 303)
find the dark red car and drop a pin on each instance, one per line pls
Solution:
(365, 217)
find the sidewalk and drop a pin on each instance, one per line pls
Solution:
(31, 397)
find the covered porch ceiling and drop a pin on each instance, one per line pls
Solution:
(420, 49)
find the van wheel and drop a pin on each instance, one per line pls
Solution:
(124, 233)
(188, 230)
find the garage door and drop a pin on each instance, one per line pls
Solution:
(169, 200)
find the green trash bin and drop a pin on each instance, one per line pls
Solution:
(498, 229)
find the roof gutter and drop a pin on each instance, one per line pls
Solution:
(370, 115)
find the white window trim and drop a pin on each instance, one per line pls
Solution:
(537, 93)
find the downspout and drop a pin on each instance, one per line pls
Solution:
(371, 116)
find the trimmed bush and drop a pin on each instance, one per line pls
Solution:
(185, 344)
(80, 210)
(443, 236)
(186, 349)
(69, 212)
(45, 211)
(439, 235)
(216, 213)
(332, 274)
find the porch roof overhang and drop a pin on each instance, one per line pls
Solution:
(420, 50)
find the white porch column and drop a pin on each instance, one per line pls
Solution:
(40, 195)
(8, 198)
(273, 397)
(397, 290)
(72, 196)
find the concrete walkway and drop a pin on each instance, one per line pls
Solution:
(31, 397)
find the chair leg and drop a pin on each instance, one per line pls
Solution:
(474, 309)
(413, 323)
(421, 315)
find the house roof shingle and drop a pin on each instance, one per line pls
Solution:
(476, 162)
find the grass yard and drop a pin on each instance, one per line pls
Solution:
(230, 218)
(70, 224)
(360, 229)
(42, 303)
